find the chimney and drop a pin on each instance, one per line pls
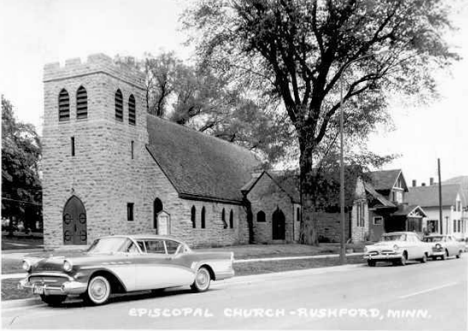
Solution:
(431, 181)
(414, 182)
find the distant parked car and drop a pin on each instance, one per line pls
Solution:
(119, 264)
(396, 247)
(444, 246)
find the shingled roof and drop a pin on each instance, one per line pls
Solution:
(200, 166)
(428, 196)
(385, 179)
(376, 195)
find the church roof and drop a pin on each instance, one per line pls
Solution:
(200, 166)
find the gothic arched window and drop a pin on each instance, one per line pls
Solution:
(119, 105)
(81, 103)
(64, 105)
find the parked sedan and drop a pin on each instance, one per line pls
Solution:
(119, 264)
(397, 247)
(444, 246)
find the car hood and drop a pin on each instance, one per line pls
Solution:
(385, 244)
(80, 258)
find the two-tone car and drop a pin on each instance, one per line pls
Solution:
(396, 247)
(443, 246)
(125, 263)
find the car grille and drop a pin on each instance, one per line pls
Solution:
(54, 281)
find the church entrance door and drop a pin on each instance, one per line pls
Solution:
(278, 225)
(74, 222)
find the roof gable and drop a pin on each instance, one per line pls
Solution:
(388, 179)
(199, 166)
(428, 196)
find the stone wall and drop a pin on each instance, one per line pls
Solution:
(329, 227)
(267, 196)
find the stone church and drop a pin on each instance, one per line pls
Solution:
(111, 168)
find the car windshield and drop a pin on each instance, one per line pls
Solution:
(433, 239)
(109, 245)
(393, 237)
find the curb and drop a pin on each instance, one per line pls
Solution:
(16, 303)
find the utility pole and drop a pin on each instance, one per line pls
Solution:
(440, 198)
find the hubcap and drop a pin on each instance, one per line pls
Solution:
(98, 290)
(202, 278)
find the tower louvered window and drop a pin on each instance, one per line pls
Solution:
(131, 110)
(119, 105)
(81, 103)
(64, 105)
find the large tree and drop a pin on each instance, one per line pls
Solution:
(299, 51)
(21, 185)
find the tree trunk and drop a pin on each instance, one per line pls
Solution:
(308, 229)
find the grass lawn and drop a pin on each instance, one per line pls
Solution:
(11, 292)
(21, 242)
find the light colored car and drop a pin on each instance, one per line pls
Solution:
(443, 246)
(396, 247)
(120, 264)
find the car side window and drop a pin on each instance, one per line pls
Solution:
(173, 247)
(141, 244)
(155, 247)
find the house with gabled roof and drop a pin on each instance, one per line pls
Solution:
(110, 168)
(453, 207)
(381, 206)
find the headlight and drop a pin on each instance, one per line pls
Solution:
(395, 247)
(26, 265)
(438, 246)
(67, 265)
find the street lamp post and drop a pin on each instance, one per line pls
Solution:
(342, 180)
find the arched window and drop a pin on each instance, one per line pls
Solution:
(223, 218)
(64, 105)
(157, 207)
(261, 216)
(119, 105)
(131, 110)
(81, 103)
(203, 217)
(194, 217)
(231, 219)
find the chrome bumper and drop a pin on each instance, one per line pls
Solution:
(69, 287)
(383, 256)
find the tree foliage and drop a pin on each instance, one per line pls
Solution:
(301, 51)
(21, 152)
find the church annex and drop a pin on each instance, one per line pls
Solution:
(111, 168)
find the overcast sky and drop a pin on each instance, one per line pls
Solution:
(36, 32)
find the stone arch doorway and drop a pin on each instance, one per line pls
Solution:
(74, 222)
(157, 208)
(278, 225)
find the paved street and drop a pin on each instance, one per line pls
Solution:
(418, 296)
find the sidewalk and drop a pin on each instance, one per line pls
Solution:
(268, 259)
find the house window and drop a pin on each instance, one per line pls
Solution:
(298, 214)
(81, 103)
(64, 105)
(261, 216)
(459, 225)
(157, 208)
(203, 215)
(458, 205)
(72, 141)
(132, 148)
(131, 110)
(454, 225)
(378, 220)
(362, 213)
(223, 218)
(119, 105)
(231, 219)
(194, 217)
(129, 211)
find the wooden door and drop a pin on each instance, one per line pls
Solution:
(74, 222)
(278, 224)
